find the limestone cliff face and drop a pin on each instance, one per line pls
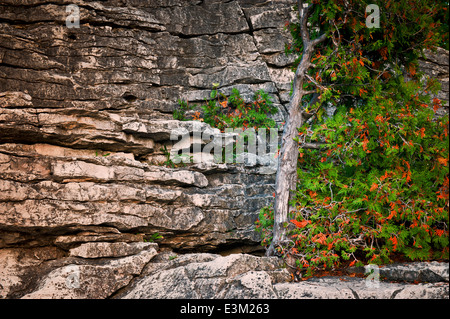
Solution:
(139, 57)
(84, 113)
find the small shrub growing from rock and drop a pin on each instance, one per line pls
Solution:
(222, 111)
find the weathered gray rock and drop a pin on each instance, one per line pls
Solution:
(208, 276)
(149, 53)
(92, 234)
(106, 249)
(436, 67)
(130, 271)
(14, 99)
(356, 288)
(93, 281)
(95, 270)
(20, 267)
(59, 190)
(248, 277)
(412, 272)
(418, 271)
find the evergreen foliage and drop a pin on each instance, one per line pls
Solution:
(378, 185)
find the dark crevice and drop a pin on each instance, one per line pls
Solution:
(395, 293)
(191, 36)
(276, 66)
(354, 293)
(18, 22)
(114, 25)
(249, 22)
(130, 98)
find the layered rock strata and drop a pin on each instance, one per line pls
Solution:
(86, 116)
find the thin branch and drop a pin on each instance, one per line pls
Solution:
(311, 146)
(345, 84)
(318, 40)
(307, 11)
(308, 92)
(304, 13)
(336, 44)
(329, 184)
(314, 81)
(300, 6)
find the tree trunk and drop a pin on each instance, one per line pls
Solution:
(286, 179)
